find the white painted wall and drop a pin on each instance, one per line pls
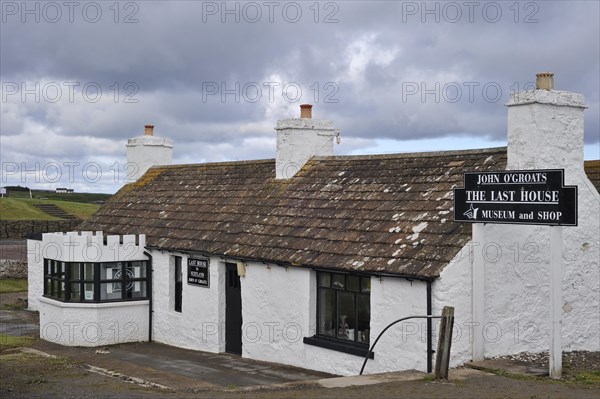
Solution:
(144, 152)
(404, 346)
(298, 140)
(86, 246)
(517, 301)
(86, 324)
(517, 285)
(275, 320)
(35, 274)
(545, 130)
(200, 324)
(279, 310)
(453, 288)
(97, 324)
(76, 247)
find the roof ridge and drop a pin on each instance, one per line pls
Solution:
(217, 163)
(492, 150)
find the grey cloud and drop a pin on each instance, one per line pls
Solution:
(372, 56)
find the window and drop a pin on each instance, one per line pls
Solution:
(178, 284)
(54, 279)
(95, 282)
(344, 307)
(343, 313)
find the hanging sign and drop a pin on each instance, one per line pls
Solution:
(198, 272)
(518, 197)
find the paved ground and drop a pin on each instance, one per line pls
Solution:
(183, 369)
(150, 370)
(166, 365)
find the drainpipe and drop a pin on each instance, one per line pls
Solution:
(429, 337)
(149, 290)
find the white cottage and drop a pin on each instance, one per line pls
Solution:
(305, 259)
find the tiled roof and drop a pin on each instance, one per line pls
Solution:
(384, 213)
(592, 170)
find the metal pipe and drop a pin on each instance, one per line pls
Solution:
(429, 332)
(149, 292)
(385, 329)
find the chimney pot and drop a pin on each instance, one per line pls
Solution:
(306, 111)
(148, 130)
(544, 81)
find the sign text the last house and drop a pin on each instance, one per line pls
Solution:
(198, 273)
(520, 197)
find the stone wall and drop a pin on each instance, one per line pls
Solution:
(18, 229)
(13, 268)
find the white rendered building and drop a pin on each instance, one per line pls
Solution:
(306, 258)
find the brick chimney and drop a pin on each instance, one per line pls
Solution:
(149, 130)
(300, 139)
(545, 128)
(146, 151)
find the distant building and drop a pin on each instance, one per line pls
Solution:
(63, 190)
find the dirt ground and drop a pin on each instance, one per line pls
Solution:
(33, 375)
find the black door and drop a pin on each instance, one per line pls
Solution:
(233, 311)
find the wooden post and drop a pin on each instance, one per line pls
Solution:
(556, 276)
(442, 361)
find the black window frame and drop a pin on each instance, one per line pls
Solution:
(58, 285)
(178, 281)
(358, 345)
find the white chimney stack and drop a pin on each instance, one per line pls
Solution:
(298, 140)
(146, 151)
(545, 128)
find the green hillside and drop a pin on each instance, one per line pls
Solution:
(24, 209)
(86, 198)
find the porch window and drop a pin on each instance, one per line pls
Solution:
(95, 282)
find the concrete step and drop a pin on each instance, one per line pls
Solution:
(53, 210)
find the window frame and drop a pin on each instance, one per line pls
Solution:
(355, 346)
(64, 281)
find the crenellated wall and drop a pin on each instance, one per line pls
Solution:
(86, 323)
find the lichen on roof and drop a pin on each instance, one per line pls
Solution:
(373, 214)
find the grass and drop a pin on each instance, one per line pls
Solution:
(21, 209)
(9, 341)
(82, 211)
(13, 285)
(588, 377)
(24, 209)
(569, 377)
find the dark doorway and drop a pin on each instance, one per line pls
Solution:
(233, 310)
(178, 284)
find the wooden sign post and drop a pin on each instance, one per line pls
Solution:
(442, 359)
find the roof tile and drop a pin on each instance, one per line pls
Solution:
(382, 213)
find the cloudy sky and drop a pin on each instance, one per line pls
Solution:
(80, 78)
